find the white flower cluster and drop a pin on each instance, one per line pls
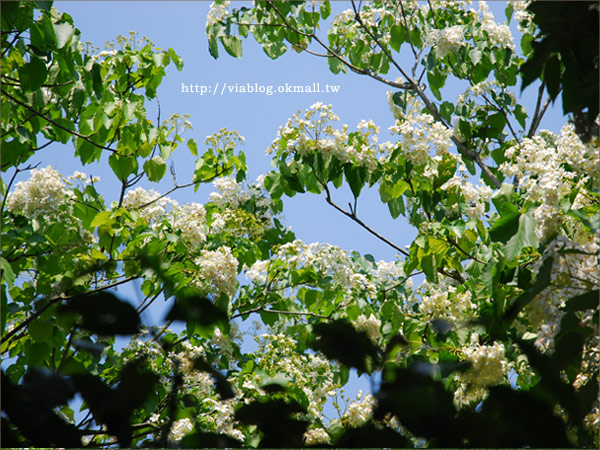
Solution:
(222, 417)
(43, 195)
(230, 193)
(421, 136)
(387, 274)
(218, 270)
(218, 11)
(549, 168)
(277, 355)
(446, 41)
(327, 260)
(147, 204)
(476, 199)
(574, 272)
(489, 367)
(189, 219)
(231, 199)
(370, 325)
(444, 301)
(360, 410)
(179, 429)
(312, 131)
(316, 436)
(498, 34)
(522, 16)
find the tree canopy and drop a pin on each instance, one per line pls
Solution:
(483, 331)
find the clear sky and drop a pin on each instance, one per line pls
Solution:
(181, 26)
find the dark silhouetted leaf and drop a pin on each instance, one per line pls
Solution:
(589, 300)
(104, 314)
(209, 440)
(369, 436)
(339, 340)
(198, 310)
(275, 418)
(512, 419)
(420, 403)
(34, 415)
(113, 406)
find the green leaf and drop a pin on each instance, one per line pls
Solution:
(589, 300)
(398, 37)
(552, 70)
(123, 166)
(40, 331)
(155, 168)
(336, 66)
(193, 146)
(508, 223)
(592, 222)
(475, 55)
(356, 177)
(232, 45)
(524, 237)
(64, 32)
(446, 110)
(274, 49)
(521, 115)
(102, 218)
(32, 74)
(176, 59)
(542, 281)
(325, 9)
(8, 275)
(396, 207)
(273, 185)
(213, 48)
(103, 313)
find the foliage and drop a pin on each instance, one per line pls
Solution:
(496, 347)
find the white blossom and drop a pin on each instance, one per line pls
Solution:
(218, 269)
(180, 429)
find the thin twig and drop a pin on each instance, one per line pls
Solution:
(56, 124)
(360, 222)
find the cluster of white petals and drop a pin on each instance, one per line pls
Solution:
(217, 12)
(180, 428)
(312, 131)
(574, 272)
(43, 195)
(147, 204)
(446, 41)
(190, 220)
(360, 410)
(498, 34)
(521, 15)
(230, 193)
(488, 368)
(231, 198)
(476, 198)
(549, 167)
(444, 301)
(218, 270)
(314, 374)
(370, 325)
(420, 136)
(316, 436)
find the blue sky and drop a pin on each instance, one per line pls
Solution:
(181, 25)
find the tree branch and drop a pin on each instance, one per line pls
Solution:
(74, 133)
(360, 222)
